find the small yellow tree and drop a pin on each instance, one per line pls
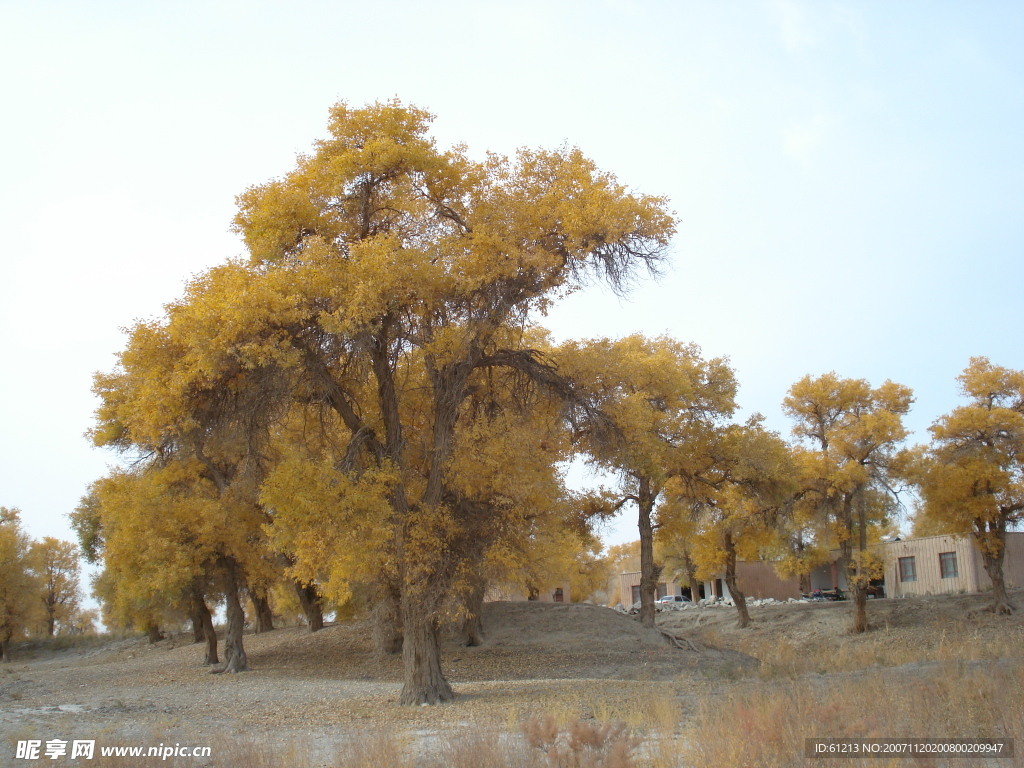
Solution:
(852, 465)
(665, 402)
(733, 506)
(55, 564)
(19, 586)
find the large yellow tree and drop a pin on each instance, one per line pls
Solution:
(972, 476)
(391, 284)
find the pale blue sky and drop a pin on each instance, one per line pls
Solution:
(849, 176)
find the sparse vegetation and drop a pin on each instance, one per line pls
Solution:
(929, 668)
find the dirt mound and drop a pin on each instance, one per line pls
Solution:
(533, 640)
(565, 627)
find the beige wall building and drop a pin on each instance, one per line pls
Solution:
(946, 565)
(931, 565)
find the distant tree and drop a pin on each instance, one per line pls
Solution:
(19, 586)
(972, 475)
(55, 564)
(677, 539)
(850, 470)
(83, 622)
(736, 503)
(665, 402)
(624, 558)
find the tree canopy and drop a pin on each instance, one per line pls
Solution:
(972, 476)
(851, 466)
(369, 376)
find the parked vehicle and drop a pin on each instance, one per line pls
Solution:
(820, 595)
(677, 599)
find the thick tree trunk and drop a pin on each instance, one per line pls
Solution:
(691, 576)
(153, 632)
(264, 615)
(312, 606)
(234, 651)
(860, 608)
(993, 552)
(859, 584)
(196, 620)
(203, 619)
(5, 649)
(694, 588)
(649, 572)
(196, 606)
(738, 598)
(805, 583)
(387, 621)
(472, 630)
(423, 682)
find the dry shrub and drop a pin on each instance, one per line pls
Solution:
(380, 748)
(478, 747)
(958, 640)
(583, 744)
(765, 724)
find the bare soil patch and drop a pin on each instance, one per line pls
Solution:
(579, 661)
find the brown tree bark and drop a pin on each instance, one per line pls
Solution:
(857, 581)
(195, 612)
(235, 659)
(472, 629)
(312, 605)
(860, 609)
(5, 649)
(196, 620)
(202, 618)
(264, 615)
(153, 632)
(423, 681)
(738, 598)
(691, 576)
(387, 621)
(805, 583)
(649, 572)
(993, 552)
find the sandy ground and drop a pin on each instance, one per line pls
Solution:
(320, 689)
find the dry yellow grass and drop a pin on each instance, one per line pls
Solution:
(934, 674)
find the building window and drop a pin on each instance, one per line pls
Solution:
(947, 565)
(908, 572)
